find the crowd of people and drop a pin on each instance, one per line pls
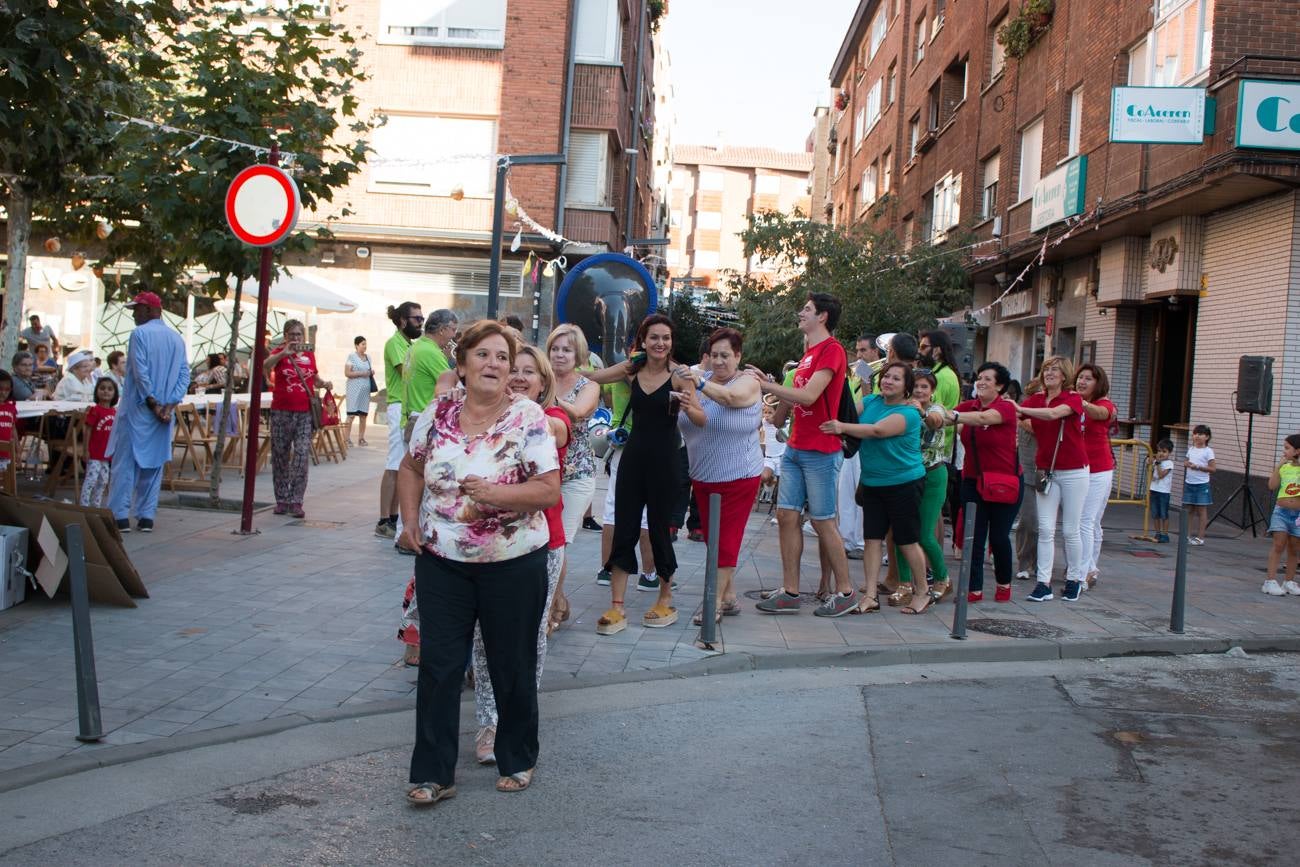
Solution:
(492, 469)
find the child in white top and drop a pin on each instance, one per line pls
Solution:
(1162, 484)
(1196, 483)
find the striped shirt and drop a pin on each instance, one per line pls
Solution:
(726, 448)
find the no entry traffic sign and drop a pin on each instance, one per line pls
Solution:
(262, 205)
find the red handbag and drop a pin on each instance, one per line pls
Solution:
(991, 486)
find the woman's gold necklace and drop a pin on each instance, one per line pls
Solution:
(490, 415)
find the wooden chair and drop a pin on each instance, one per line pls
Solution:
(9, 452)
(66, 449)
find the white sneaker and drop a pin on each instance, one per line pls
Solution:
(1195, 540)
(1272, 588)
(1292, 588)
(1022, 576)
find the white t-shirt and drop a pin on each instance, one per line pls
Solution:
(1165, 485)
(772, 447)
(1202, 458)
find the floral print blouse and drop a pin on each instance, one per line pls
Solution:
(518, 447)
(579, 461)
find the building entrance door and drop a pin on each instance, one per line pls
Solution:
(1173, 327)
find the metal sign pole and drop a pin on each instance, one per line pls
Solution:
(255, 377)
(963, 576)
(709, 625)
(90, 726)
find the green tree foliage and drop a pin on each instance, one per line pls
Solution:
(63, 67)
(690, 327)
(236, 75)
(882, 287)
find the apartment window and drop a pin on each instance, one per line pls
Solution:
(997, 54)
(913, 136)
(907, 232)
(711, 180)
(675, 219)
(706, 260)
(1076, 120)
(767, 185)
(879, 24)
(947, 205)
(940, 7)
(708, 220)
(1139, 65)
(891, 84)
(673, 257)
(1181, 41)
(600, 31)
(886, 171)
(412, 151)
(990, 171)
(920, 40)
(477, 23)
(933, 104)
(859, 127)
(1031, 159)
(873, 103)
(869, 181)
(588, 178)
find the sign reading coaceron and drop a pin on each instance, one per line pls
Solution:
(1157, 115)
(1268, 115)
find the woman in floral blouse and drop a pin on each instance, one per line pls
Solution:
(481, 469)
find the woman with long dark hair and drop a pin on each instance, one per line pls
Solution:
(1092, 384)
(647, 479)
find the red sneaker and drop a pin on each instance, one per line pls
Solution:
(975, 596)
(1003, 593)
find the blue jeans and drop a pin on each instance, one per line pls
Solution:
(810, 477)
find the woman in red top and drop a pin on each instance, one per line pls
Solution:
(1056, 418)
(988, 434)
(1093, 385)
(532, 378)
(292, 369)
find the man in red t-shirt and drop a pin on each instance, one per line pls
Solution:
(810, 467)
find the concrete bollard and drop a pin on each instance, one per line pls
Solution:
(963, 575)
(709, 627)
(90, 726)
(1178, 607)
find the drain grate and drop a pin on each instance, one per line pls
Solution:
(1016, 628)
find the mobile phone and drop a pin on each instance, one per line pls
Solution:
(306, 347)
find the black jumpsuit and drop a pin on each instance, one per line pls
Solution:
(647, 479)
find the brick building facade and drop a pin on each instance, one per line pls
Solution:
(1182, 257)
(714, 192)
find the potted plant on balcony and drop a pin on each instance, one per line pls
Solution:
(841, 100)
(1020, 31)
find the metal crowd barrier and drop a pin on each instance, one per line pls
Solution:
(1134, 464)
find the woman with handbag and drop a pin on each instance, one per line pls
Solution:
(990, 476)
(891, 482)
(361, 384)
(295, 415)
(1056, 415)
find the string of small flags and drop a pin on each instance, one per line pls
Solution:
(1048, 243)
(287, 158)
(516, 210)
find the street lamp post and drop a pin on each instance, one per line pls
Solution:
(504, 162)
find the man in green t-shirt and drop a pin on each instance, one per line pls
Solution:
(408, 319)
(427, 361)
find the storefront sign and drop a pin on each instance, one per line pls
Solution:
(1268, 115)
(1018, 304)
(1060, 194)
(1157, 115)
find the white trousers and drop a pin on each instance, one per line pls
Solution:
(849, 511)
(1094, 506)
(1068, 491)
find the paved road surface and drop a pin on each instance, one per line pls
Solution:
(1189, 760)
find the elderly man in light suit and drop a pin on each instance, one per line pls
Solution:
(157, 377)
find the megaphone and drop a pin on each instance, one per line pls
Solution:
(607, 296)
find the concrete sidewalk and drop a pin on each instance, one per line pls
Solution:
(300, 621)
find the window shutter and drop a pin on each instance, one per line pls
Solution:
(585, 184)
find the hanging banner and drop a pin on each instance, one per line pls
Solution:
(1157, 115)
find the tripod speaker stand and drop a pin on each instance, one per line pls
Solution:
(1251, 511)
(1254, 397)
